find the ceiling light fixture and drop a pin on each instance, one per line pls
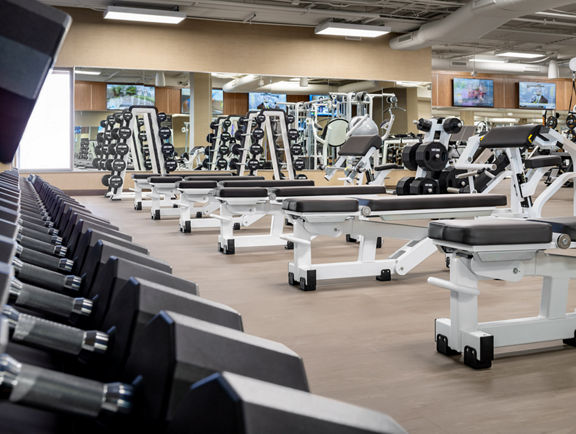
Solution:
(519, 55)
(143, 15)
(80, 71)
(480, 59)
(352, 30)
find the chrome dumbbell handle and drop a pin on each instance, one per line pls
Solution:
(38, 332)
(51, 390)
(46, 278)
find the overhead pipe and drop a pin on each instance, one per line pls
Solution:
(471, 22)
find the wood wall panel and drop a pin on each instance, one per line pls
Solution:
(505, 88)
(235, 103)
(82, 95)
(297, 98)
(168, 100)
(99, 96)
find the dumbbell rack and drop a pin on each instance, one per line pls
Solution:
(430, 158)
(160, 158)
(223, 140)
(259, 125)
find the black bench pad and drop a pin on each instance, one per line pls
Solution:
(198, 184)
(164, 179)
(436, 201)
(222, 178)
(542, 161)
(320, 205)
(267, 183)
(357, 146)
(560, 225)
(144, 175)
(387, 167)
(510, 137)
(242, 192)
(328, 191)
(490, 232)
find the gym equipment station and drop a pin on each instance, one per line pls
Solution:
(281, 217)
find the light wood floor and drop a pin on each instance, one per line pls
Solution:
(371, 343)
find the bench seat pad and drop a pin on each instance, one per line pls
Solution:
(488, 232)
(435, 201)
(165, 179)
(320, 205)
(198, 184)
(222, 178)
(510, 137)
(543, 161)
(560, 225)
(267, 183)
(358, 146)
(242, 192)
(328, 191)
(144, 175)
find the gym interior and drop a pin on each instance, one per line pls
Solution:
(274, 216)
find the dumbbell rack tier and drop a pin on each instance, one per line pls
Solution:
(226, 126)
(270, 115)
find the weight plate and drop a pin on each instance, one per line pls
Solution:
(239, 135)
(227, 123)
(552, 122)
(237, 149)
(293, 134)
(224, 149)
(256, 149)
(225, 136)
(253, 164)
(167, 148)
(127, 115)
(290, 119)
(214, 125)
(164, 133)
(108, 135)
(299, 164)
(210, 137)
(452, 125)
(105, 180)
(206, 163)
(148, 165)
(424, 186)
(140, 122)
(221, 163)
(234, 162)
(118, 165)
(257, 134)
(260, 118)
(108, 165)
(432, 156)
(103, 123)
(301, 176)
(409, 156)
(403, 185)
(142, 137)
(162, 117)
(571, 121)
(115, 181)
(124, 133)
(96, 163)
(170, 165)
(100, 138)
(122, 149)
(296, 149)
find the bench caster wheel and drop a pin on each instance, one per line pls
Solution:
(236, 226)
(187, 227)
(199, 215)
(156, 215)
(138, 206)
(308, 283)
(291, 280)
(349, 239)
(230, 249)
(443, 348)
(289, 245)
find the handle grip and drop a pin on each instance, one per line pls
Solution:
(43, 300)
(51, 335)
(47, 238)
(42, 388)
(44, 260)
(42, 246)
(46, 278)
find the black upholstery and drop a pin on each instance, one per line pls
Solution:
(328, 191)
(510, 137)
(164, 179)
(561, 225)
(490, 231)
(144, 175)
(198, 184)
(222, 178)
(320, 205)
(387, 167)
(208, 175)
(266, 183)
(436, 201)
(543, 161)
(358, 146)
(242, 192)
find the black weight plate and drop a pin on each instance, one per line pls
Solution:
(115, 181)
(214, 125)
(224, 149)
(301, 176)
(221, 163)
(225, 136)
(108, 164)
(290, 119)
(206, 163)
(112, 149)
(164, 133)
(210, 137)
(96, 163)
(237, 149)
(234, 162)
(571, 121)
(98, 149)
(122, 149)
(105, 149)
(292, 134)
(424, 186)
(124, 133)
(118, 165)
(127, 115)
(142, 137)
(299, 164)
(257, 134)
(260, 118)
(253, 164)
(108, 135)
(452, 125)
(105, 180)
(140, 122)
(432, 156)
(148, 165)
(167, 148)
(296, 149)
(162, 117)
(256, 149)
(409, 156)
(170, 165)
(552, 122)
(403, 185)
(103, 123)
(100, 138)
(239, 135)
(226, 123)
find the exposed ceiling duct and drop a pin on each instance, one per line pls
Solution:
(471, 22)
(506, 68)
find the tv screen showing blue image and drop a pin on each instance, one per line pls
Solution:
(260, 100)
(537, 95)
(122, 96)
(472, 92)
(322, 109)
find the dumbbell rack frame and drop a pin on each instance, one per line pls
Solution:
(215, 153)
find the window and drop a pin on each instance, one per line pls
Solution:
(47, 140)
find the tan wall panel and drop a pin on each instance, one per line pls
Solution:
(197, 45)
(98, 96)
(235, 103)
(83, 95)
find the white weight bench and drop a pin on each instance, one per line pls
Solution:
(508, 250)
(265, 198)
(369, 220)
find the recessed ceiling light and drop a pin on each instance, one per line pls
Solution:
(143, 15)
(519, 55)
(353, 30)
(80, 71)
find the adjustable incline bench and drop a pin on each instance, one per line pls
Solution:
(509, 250)
(265, 198)
(369, 219)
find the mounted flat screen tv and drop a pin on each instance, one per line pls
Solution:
(473, 92)
(259, 100)
(537, 95)
(122, 96)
